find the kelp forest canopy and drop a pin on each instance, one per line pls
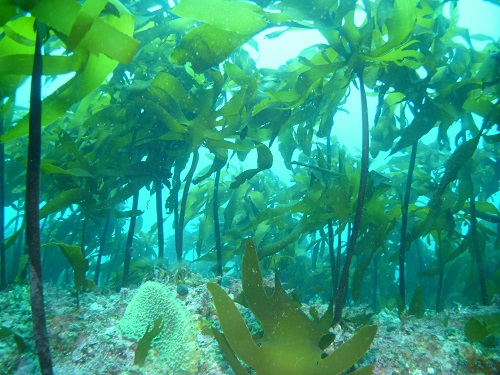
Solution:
(166, 115)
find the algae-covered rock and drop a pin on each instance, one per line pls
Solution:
(176, 343)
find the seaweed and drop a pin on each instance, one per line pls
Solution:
(292, 343)
(479, 327)
(144, 344)
(7, 332)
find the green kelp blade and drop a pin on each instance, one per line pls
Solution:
(78, 262)
(16, 52)
(206, 46)
(165, 83)
(358, 276)
(21, 30)
(264, 161)
(475, 330)
(492, 139)
(56, 105)
(402, 56)
(62, 200)
(69, 145)
(87, 15)
(8, 10)
(302, 10)
(234, 16)
(123, 194)
(110, 35)
(417, 303)
(144, 344)
(11, 46)
(423, 122)
(237, 74)
(327, 318)
(273, 248)
(457, 160)
(6, 332)
(52, 65)
(13, 238)
(49, 168)
(61, 14)
(237, 367)
(220, 160)
(23, 262)
(347, 354)
(160, 114)
(399, 25)
(478, 327)
(234, 327)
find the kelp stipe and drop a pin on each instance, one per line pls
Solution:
(292, 343)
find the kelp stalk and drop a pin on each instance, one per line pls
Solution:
(404, 223)
(182, 213)
(365, 155)
(3, 269)
(439, 256)
(159, 221)
(33, 211)
(130, 239)
(218, 245)
(331, 248)
(84, 231)
(375, 284)
(174, 196)
(102, 245)
(339, 235)
(475, 240)
(473, 223)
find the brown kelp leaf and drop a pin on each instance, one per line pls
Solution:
(144, 344)
(292, 343)
(79, 264)
(264, 161)
(456, 161)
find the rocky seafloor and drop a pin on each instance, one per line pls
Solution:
(87, 340)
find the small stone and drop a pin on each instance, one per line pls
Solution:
(182, 290)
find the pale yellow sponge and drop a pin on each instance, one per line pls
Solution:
(176, 344)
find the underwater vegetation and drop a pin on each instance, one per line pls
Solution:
(140, 107)
(292, 343)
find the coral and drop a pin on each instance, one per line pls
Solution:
(176, 344)
(292, 343)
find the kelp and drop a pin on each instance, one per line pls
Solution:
(7, 332)
(479, 327)
(227, 25)
(32, 210)
(78, 263)
(144, 344)
(193, 88)
(82, 29)
(292, 343)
